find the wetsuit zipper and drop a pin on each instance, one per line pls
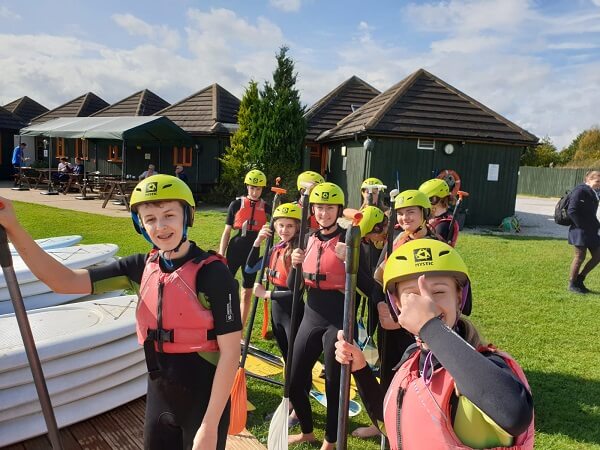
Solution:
(318, 271)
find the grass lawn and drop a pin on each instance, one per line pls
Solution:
(520, 304)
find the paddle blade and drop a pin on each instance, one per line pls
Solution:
(262, 367)
(265, 324)
(278, 428)
(239, 403)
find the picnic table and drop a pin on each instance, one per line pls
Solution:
(119, 190)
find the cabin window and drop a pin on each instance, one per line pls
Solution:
(60, 147)
(426, 144)
(114, 153)
(81, 149)
(182, 156)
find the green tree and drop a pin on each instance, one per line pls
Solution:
(568, 153)
(542, 155)
(236, 159)
(588, 149)
(281, 127)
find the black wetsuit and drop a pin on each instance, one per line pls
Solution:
(281, 305)
(323, 317)
(239, 246)
(483, 378)
(178, 397)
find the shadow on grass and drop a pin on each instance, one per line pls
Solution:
(493, 233)
(566, 405)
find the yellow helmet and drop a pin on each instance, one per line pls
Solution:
(255, 178)
(411, 197)
(327, 194)
(372, 216)
(309, 177)
(162, 188)
(288, 211)
(435, 188)
(370, 182)
(427, 256)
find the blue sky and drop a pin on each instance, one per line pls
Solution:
(535, 62)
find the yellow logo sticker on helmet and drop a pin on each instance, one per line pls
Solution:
(422, 257)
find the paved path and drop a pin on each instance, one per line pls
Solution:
(537, 217)
(68, 201)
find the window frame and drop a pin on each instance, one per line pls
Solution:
(423, 144)
(186, 156)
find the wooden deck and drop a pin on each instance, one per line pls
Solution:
(118, 429)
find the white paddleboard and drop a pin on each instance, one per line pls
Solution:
(52, 242)
(26, 427)
(75, 257)
(61, 330)
(94, 356)
(52, 299)
(16, 407)
(36, 287)
(23, 400)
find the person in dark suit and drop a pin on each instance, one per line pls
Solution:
(583, 233)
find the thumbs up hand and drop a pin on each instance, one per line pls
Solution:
(418, 309)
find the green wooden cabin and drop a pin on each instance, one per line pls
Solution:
(420, 127)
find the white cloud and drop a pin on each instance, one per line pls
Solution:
(286, 5)
(6, 13)
(155, 33)
(573, 45)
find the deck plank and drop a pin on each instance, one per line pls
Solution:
(119, 429)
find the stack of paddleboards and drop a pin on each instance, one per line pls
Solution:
(91, 361)
(38, 295)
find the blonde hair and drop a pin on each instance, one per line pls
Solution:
(471, 334)
(592, 174)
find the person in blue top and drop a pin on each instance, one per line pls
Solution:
(17, 159)
(583, 233)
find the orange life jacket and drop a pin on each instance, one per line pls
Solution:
(446, 217)
(321, 268)
(278, 270)
(252, 213)
(169, 311)
(416, 415)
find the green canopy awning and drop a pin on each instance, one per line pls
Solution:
(137, 128)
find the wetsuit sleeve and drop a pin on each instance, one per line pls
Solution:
(371, 393)
(364, 279)
(487, 382)
(234, 207)
(124, 273)
(268, 209)
(221, 290)
(254, 260)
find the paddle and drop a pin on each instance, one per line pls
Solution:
(278, 428)
(29, 343)
(352, 259)
(461, 195)
(239, 395)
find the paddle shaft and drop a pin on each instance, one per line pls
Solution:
(450, 227)
(263, 266)
(28, 341)
(296, 295)
(352, 260)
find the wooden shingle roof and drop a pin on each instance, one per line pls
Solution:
(213, 110)
(82, 106)
(142, 103)
(10, 121)
(339, 103)
(26, 108)
(422, 105)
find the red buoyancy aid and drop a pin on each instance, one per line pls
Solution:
(416, 415)
(434, 222)
(321, 268)
(278, 270)
(252, 213)
(169, 311)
